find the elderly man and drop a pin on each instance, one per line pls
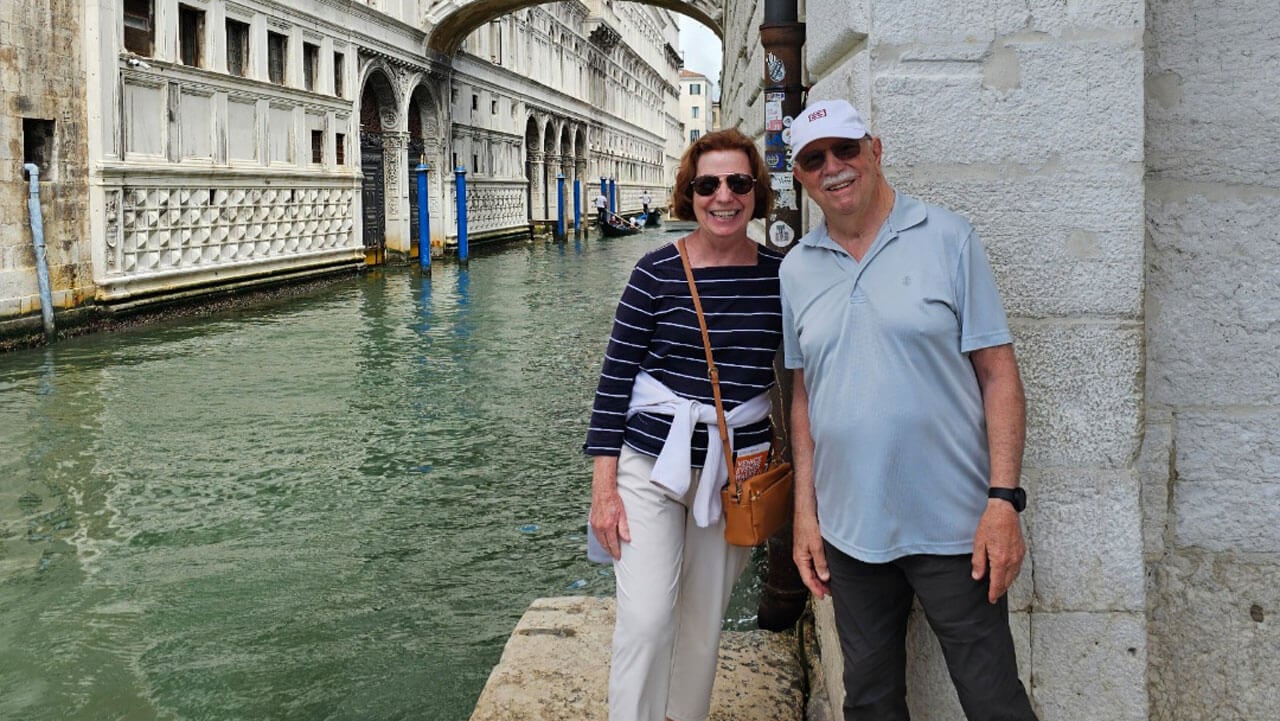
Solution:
(907, 427)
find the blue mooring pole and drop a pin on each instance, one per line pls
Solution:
(577, 205)
(460, 179)
(424, 221)
(559, 206)
(613, 195)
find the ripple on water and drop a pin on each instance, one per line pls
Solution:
(334, 507)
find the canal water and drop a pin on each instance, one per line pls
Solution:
(326, 507)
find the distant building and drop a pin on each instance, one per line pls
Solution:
(185, 148)
(695, 104)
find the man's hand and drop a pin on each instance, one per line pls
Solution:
(806, 544)
(998, 545)
(810, 558)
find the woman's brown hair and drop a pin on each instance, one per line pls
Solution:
(730, 139)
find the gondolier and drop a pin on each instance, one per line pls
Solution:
(602, 208)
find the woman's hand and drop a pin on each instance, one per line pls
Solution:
(608, 517)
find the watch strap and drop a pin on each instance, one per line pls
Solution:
(1015, 496)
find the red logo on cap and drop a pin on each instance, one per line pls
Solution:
(817, 114)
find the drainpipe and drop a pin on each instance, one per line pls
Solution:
(784, 596)
(37, 239)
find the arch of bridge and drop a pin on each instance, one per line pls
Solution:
(452, 21)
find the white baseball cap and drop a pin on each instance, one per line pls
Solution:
(826, 119)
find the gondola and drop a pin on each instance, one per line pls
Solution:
(609, 230)
(654, 218)
(619, 227)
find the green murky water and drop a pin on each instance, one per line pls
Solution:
(330, 507)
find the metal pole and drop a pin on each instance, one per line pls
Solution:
(460, 180)
(783, 597)
(559, 206)
(424, 221)
(782, 38)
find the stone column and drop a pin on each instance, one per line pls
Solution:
(395, 145)
(536, 192)
(438, 173)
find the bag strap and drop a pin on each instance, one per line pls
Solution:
(711, 364)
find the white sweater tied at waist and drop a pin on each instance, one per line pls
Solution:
(673, 468)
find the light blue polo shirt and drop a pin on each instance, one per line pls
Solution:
(901, 464)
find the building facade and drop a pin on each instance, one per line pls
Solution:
(204, 144)
(695, 104)
(1117, 159)
(44, 121)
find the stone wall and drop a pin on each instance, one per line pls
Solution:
(1211, 483)
(42, 79)
(1029, 120)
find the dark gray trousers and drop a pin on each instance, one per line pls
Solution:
(871, 603)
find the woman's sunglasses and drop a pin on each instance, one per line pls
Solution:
(813, 160)
(707, 185)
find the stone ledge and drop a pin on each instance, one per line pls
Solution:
(556, 666)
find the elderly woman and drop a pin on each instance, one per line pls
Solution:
(652, 507)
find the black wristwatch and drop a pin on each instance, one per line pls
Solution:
(1015, 496)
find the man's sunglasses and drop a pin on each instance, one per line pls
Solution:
(707, 185)
(812, 161)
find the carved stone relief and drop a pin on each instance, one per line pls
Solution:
(394, 147)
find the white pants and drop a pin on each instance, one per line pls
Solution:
(674, 581)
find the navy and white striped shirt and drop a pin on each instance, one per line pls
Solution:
(655, 329)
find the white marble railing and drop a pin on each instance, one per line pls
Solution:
(165, 228)
(492, 205)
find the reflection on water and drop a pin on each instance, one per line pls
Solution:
(332, 507)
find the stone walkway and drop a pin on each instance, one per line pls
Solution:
(556, 667)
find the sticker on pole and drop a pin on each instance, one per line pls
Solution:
(776, 69)
(780, 234)
(772, 116)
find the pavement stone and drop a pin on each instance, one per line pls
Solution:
(556, 666)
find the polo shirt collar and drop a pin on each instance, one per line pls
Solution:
(907, 212)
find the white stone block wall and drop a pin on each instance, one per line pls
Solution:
(1211, 461)
(1028, 118)
(741, 95)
